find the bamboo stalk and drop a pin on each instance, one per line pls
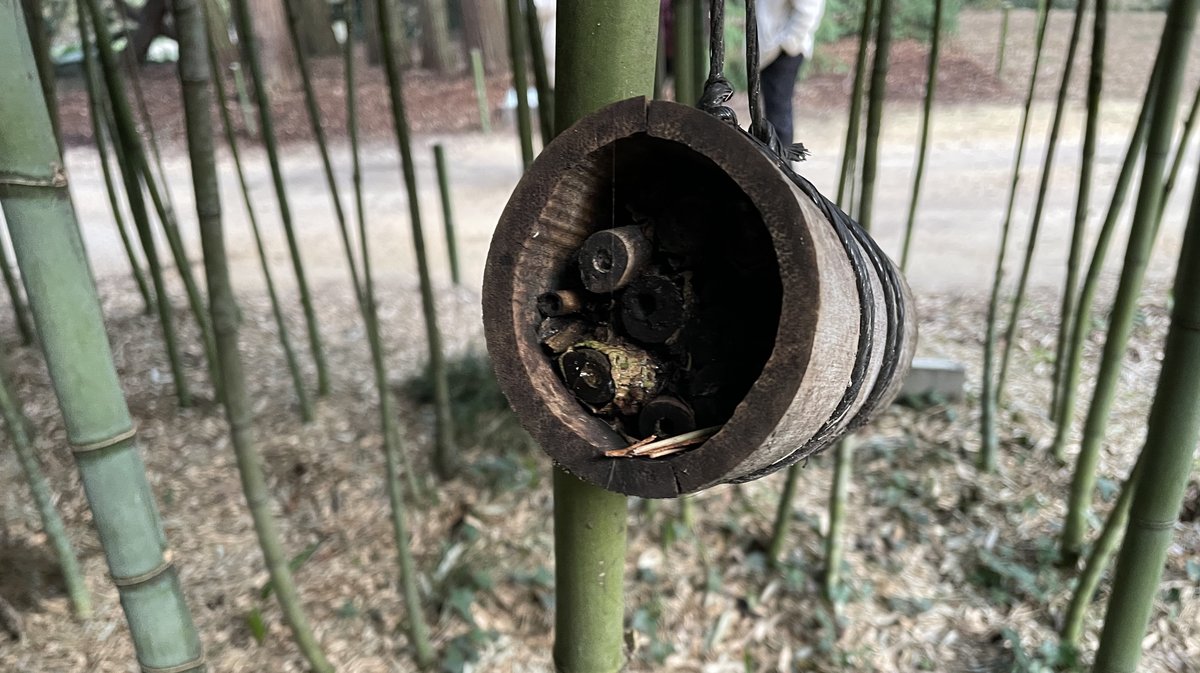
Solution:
(35, 24)
(66, 310)
(445, 456)
(20, 309)
(52, 523)
(875, 103)
(195, 75)
(1098, 559)
(849, 170)
(318, 131)
(1010, 332)
(681, 62)
(485, 111)
(989, 445)
(439, 160)
(1174, 426)
(783, 516)
(1185, 138)
(541, 73)
(1143, 230)
(247, 42)
(133, 72)
(89, 11)
(1004, 10)
(834, 549)
(517, 55)
(97, 112)
(700, 34)
(1066, 325)
(590, 526)
(923, 147)
(285, 339)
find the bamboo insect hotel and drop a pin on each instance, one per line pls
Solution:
(669, 307)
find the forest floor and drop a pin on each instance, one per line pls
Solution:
(948, 569)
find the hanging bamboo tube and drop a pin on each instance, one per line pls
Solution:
(989, 442)
(1173, 427)
(318, 131)
(66, 310)
(88, 11)
(935, 42)
(285, 339)
(395, 456)
(195, 76)
(19, 307)
(1143, 230)
(52, 524)
(445, 458)
(1010, 333)
(247, 42)
(1066, 324)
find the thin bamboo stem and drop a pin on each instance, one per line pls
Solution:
(681, 63)
(541, 73)
(517, 55)
(1010, 332)
(927, 117)
(485, 111)
(849, 169)
(834, 543)
(52, 523)
(285, 339)
(1174, 426)
(19, 307)
(699, 72)
(1066, 325)
(590, 524)
(445, 458)
(989, 445)
(195, 75)
(247, 42)
(45, 234)
(1185, 139)
(439, 160)
(125, 147)
(783, 516)
(1004, 10)
(875, 103)
(1143, 231)
(318, 131)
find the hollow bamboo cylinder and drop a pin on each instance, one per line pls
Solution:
(805, 300)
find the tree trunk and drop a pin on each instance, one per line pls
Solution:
(483, 29)
(316, 30)
(370, 9)
(151, 22)
(436, 52)
(45, 234)
(274, 51)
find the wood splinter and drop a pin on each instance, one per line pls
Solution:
(664, 447)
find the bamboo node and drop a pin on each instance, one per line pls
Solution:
(104, 443)
(193, 665)
(167, 563)
(57, 178)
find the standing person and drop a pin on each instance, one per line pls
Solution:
(786, 29)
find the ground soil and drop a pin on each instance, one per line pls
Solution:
(948, 569)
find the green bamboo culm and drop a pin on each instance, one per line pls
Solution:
(98, 114)
(1066, 325)
(394, 454)
(1083, 478)
(1010, 332)
(1004, 10)
(681, 63)
(541, 73)
(590, 523)
(19, 307)
(1143, 231)
(88, 11)
(318, 131)
(195, 76)
(66, 311)
(439, 160)
(843, 463)
(849, 170)
(52, 523)
(1097, 560)
(485, 111)
(445, 458)
(1185, 138)
(244, 21)
(517, 55)
(132, 69)
(285, 339)
(1174, 426)
(935, 42)
(875, 102)
(39, 38)
(700, 36)
(989, 444)
(783, 516)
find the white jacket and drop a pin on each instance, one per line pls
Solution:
(787, 26)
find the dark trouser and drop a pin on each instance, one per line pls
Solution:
(778, 87)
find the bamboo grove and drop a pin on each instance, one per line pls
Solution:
(227, 103)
